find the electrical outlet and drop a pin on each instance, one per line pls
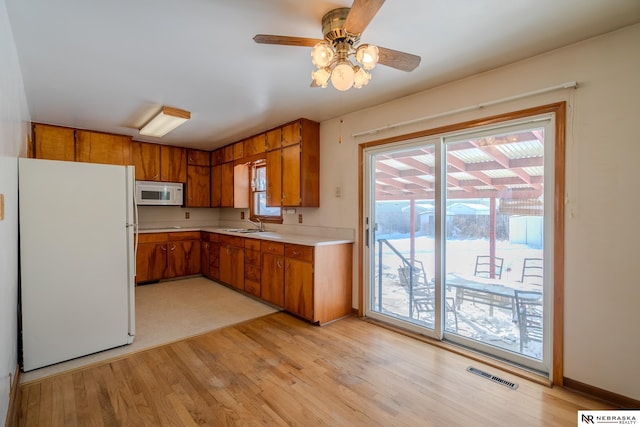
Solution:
(299, 218)
(241, 214)
(187, 215)
(338, 191)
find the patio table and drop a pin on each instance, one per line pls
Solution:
(494, 292)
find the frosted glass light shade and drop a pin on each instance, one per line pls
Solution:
(367, 55)
(165, 121)
(321, 54)
(361, 78)
(342, 76)
(321, 77)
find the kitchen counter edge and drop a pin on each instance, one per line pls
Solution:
(297, 239)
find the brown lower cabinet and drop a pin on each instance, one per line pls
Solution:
(232, 261)
(273, 272)
(167, 255)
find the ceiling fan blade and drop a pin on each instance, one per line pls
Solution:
(396, 59)
(360, 15)
(285, 40)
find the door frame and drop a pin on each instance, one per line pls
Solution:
(556, 371)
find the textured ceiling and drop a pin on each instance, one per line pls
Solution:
(110, 65)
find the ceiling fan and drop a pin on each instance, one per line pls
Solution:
(342, 28)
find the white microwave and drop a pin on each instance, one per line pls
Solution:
(159, 193)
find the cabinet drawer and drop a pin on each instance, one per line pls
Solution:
(153, 237)
(205, 236)
(252, 257)
(184, 235)
(303, 253)
(252, 287)
(232, 241)
(252, 244)
(272, 248)
(252, 272)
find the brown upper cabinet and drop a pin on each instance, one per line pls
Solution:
(227, 153)
(97, 147)
(54, 142)
(254, 145)
(238, 150)
(292, 133)
(198, 187)
(173, 164)
(198, 158)
(298, 167)
(217, 157)
(273, 139)
(146, 159)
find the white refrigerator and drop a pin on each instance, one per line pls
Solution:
(77, 259)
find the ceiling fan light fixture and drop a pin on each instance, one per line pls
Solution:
(367, 55)
(166, 120)
(322, 54)
(321, 76)
(342, 76)
(361, 78)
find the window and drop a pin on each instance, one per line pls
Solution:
(259, 208)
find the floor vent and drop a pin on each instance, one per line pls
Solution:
(493, 378)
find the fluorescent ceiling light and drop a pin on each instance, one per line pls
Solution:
(165, 121)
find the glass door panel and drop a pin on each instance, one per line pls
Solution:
(493, 240)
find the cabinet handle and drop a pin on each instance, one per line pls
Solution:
(155, 176)
(174, 246)
(228, 251)
(164, 248)
(206, 246)
(296, 253)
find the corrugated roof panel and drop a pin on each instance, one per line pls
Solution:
(395, 164)
(461, 176)
(534, 170)
(471, 155)
(522, 149)
(499, 173)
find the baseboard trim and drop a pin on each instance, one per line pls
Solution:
(605, 396)
(13, 397)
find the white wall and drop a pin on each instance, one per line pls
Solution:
(14, 118)
(602, 281)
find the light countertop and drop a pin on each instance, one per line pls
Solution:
(298, 239)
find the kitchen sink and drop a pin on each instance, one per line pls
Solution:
(242, 230)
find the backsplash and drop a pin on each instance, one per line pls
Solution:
(170, 216)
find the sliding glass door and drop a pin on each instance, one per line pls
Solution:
(459, 237)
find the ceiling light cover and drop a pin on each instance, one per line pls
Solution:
(367, 55)
(322, 54)
(167, 119)
(342, 76)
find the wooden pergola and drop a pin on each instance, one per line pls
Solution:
(508, 167)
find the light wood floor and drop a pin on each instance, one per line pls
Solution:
(278, 370)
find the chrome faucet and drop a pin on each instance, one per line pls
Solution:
(258, 224)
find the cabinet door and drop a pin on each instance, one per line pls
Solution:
(226, 198)
(298, 295)
(291, 195)
(232, 266)
(54, 142)
(241, 184)
(198, 158)
(173, 164)
(274, 178)
(238, 150)
(146, 159)
(273, 140)
(96, 147)
(151, 262)
(216, 186)
(254, 145)
(198, 187)
(273, 279)
(214, 260)
(291, 134)
(205, 255)
(184, 258)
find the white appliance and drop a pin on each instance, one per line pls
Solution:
(77, 259)
(159, 193)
